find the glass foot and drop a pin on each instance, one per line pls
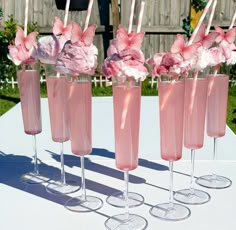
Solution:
(170, 212)
(33, 178)
(118, 200)
(126, 222)
(57, 187)
(192, 196)
(214, 181)
(78, 204)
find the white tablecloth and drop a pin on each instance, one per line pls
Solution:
(31, 207)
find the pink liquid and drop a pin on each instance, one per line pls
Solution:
(79, 101)
(58, 108)
(29, 87)
(217, 105)
(126, 105)
(194, 120)
(171, 119)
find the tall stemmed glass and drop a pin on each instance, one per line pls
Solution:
(194, 124)
(171, 107)
(29, 87)
(79, 102)
(126, 108)
(216, 124)
(126, 138)
(59, 121)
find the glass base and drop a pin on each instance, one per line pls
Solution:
(78, 204)
(118, 200)
(170, 212)
(57, 187)
(121, 222)
(214, 181)
(192, 196)
(33, 178)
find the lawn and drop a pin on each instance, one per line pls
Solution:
(10, 97)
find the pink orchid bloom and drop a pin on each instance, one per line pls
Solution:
(20, 54)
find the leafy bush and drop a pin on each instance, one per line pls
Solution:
(1, 12)
(199, 5)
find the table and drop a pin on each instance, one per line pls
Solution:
(31, 207)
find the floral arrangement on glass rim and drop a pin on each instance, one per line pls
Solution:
(70, 48)
(206, 51)
(125, 59)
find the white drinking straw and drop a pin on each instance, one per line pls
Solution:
(26, 17)
(66, 12)
(194, 88)
(233, 21)
(200, 22)
(89, 11)
(211, 17)
(131, 17)
(140, 19)
(128, 96)
(65, 21)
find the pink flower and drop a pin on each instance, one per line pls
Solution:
(48, 49)
(111, 50)
(156, 59)
(20, 54)
(128, 63)
(232, 59)
(170, 59)
(125, 58)
(227, 49)
(133, 54)
(201, 59)
(76, 59)
(168, 64)
(216, 56)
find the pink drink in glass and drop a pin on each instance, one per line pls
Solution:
(29, 87)
(171, 106)
(79, 101)
(58, 108)
(126, 105)
(217, 105)
(194, 118)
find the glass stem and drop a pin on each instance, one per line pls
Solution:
(36, 169)
(171, 199)
(126, 193)
(214, 157)
(83, 187)
(192, 171)
(63, 177)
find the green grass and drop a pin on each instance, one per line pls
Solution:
(10, 97)
(231, 115)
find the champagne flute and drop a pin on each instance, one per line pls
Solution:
(80, 115)
(171, 106)
(29, 87)
(126, 108)
(126, 139)
(194, 124)
(216, 124)
(59, 122)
